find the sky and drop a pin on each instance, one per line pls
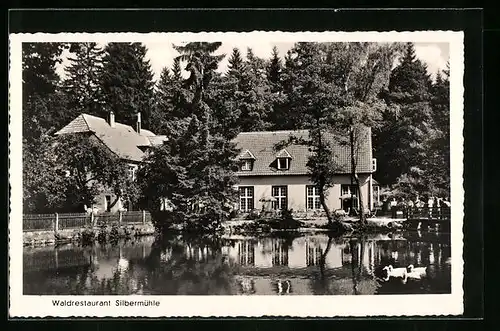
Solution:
(435, 55)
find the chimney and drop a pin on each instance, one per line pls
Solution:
(111, 120)
(138, 124)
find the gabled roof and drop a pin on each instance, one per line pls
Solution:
(283, 154)
(262, 146)
(246, 155)
(121, 139)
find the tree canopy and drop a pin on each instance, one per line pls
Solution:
(321, 87)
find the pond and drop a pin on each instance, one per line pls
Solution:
(282, 264)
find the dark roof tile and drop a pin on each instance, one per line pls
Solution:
(262, 146)
(121, 139)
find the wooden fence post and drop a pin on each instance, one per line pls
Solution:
(56, 223)
(119, 217)
(143, 217)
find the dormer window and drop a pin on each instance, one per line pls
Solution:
(283, 160)
(246, 165)
(283, 163)
(246, 160)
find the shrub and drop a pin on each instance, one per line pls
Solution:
(88, 236)
(253, 215)
(285, 221)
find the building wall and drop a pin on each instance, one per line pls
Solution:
(106, 194)
(101, 204)
(297, 189)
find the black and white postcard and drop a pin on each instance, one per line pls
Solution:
(308, 174)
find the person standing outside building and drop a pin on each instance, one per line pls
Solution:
(437, 210)
(430, 205)
(409, 209)
(393, 206)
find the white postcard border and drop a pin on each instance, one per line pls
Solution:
(232, 306)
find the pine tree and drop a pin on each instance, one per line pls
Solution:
(205, 50)
(251, 94)
(399, 143)
(438, 144)
(236, 64)
(176, 70)
(274, 71)
(194, 169)
(168, 111)
(127, 82)
(43, 105)
(82, 83)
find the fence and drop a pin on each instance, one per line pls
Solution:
(67, 221)
(431, 213)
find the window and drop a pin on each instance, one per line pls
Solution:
(246, 165)
(283, 163)
(280, 193)
(347, 191)
(131, 172)
(246, 198)
(312, 196)
(374, 165)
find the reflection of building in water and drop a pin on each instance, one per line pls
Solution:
(166, 255)
(313, 254)
(247, 285)
(105, 266)
(306, 252)
(282, 287)
(431, 254)
(197, 253)
(263, 253)
(246, 253)
(269, 252)
(280, 253)
(365, 253)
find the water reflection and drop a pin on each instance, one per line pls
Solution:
(312, 264)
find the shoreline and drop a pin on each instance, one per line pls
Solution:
(104, 233)
(229, 228)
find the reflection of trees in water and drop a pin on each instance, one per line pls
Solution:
(194, 268)
(200, 265)
(81, 270)
(362, 259)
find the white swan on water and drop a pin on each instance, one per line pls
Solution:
(416, 273)
(394, 272)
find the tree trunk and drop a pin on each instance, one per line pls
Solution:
(322, 182)
(355, 178)
(322, 199)
(322, 260)
(362, 216)
(354, 250)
